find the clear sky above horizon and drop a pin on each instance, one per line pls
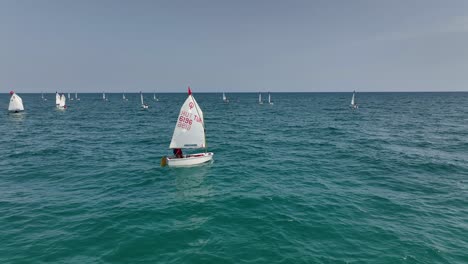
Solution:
(242, 46)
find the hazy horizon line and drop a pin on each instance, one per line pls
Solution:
(204, 92)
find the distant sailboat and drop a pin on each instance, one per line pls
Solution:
(16, 103)
(62, 103)
(225, 98)
(155, 98)
(143, 105)
(269, 99)
(260, 98)
(70, 98)
(124, 98)
(353, 103)
(42, 96)
(76, 97)
(189, 132)
(57, 99)
(104, 97)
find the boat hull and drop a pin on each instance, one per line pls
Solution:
(190, 160)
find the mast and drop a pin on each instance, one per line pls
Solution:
(203, 120)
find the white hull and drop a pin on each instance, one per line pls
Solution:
(189, 160)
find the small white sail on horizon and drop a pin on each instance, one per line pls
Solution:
(62, 103)
(76, 97)
(42, 97)
(269, 98)
(189, 133)
(353, 103)
(225, 98)
(16, 103)
(260, 98)
(57, 99)
(143, 105)
(104, 97)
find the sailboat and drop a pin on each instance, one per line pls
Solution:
(260, 98)
(16, 103)
(353, 103)
(70, 98)
(62, 103)
(189, 132)
(155, 98)
(124, 98)
(57, 99)
(42, 96)
(76, 97)
(143, 105)
(104, 97)
(225, 98)
(269, 99)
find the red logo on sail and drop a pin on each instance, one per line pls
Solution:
(191, 105)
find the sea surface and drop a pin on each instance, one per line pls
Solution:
(305, 180)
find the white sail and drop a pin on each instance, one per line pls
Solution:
(141, 96)
(224, 97)
(260, 98)
(57, 98)
(352, 98)
(76, 95)
(123, 96)
(189, 131)
(68, 96)
(154, 96)
(63, 101)
(103, 96)
(269, 98)
(42, 95)
(16, 103)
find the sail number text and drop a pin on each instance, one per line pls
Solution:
(186, 119)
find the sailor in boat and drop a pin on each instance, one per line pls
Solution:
(178, 153)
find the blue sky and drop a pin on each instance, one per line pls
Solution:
(242, 46)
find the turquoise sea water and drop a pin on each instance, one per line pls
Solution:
(306, 180)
